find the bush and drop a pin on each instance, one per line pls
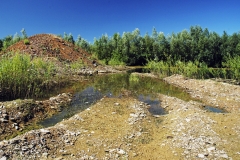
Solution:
(233, 65)
(21, 77)
(26, 41)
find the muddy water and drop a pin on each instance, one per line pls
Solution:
(92, 89)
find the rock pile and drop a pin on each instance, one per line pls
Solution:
(38, 144)
(15, 115)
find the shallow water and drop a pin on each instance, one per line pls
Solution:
(88, 92)
(214, 109)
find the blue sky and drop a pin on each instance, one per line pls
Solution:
(93, 18)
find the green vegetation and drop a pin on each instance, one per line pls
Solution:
(196, 52)
(195, 44)
(74, 66)
(133, 78)
(10, 40)
(21, 77)
(197, 70)
(26, 41)
(233, 66)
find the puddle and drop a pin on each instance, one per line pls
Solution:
(116, 85)
(80, 102)
(155, 108)
(214, 109)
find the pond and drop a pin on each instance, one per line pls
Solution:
(92, 89)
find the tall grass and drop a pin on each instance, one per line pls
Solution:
(22, 77)
(116, 62)
(196, 69)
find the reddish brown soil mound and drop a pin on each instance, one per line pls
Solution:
(51, 46)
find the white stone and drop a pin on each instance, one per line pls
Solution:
(224, 156)
(211, 149)
(201, 155)
(44, 131)
(3, 158)
(133, 115)
(120, 151)
(188, 120)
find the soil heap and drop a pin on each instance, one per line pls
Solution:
(49, 45)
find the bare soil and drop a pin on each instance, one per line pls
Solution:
(51, 46)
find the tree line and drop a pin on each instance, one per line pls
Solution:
(197, 44)
(10, 40)
(130, 48)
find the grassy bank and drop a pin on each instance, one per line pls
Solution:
(21, 76)
(197, 70)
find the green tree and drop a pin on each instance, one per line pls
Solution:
(24, 34)
(68, 37)
(117, 44)
(82, 43)
(126, 46)
(7, 41)
(164, 47)
(155, 45)
(16, 38)
(215, 43)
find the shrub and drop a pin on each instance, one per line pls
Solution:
(26, 41)
(21, 77)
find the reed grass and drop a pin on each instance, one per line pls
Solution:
(22, 77)
(196, 69)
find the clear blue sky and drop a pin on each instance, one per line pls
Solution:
(93, 18)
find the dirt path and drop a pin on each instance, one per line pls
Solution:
(124, 129)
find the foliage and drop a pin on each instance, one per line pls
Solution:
(24, 34)
(26, 41)
(82, 43)
(233, 65)
(133, 78)
(196, 69)
(21, 77)
(76, 65)
(116, 62)
(68, 38)
(195, 44)
(10, 40)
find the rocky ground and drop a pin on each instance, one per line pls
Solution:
(124, 129)
(217, 94)
(20, 115)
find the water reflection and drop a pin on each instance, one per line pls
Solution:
(155, 108)
(116, 85)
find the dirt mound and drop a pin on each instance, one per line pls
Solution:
(51, 46)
